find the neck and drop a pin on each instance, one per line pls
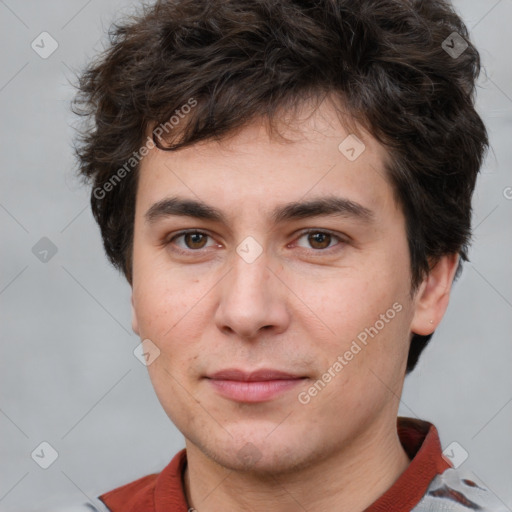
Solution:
(349, 479)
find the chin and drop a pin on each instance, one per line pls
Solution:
(261, 456)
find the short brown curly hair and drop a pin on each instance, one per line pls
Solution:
(386, 59)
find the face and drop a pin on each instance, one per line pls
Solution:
(320, 293)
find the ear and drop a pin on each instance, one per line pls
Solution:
(432, 296)
(135, 323)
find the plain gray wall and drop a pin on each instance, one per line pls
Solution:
(68, 374)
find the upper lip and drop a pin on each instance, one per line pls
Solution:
(251, 376)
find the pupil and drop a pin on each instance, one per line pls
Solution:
(196, 238)
(323, 237)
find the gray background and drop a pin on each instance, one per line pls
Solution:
(68, 374)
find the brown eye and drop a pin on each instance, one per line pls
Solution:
(195, 240)
(319, 240)
(189, 241)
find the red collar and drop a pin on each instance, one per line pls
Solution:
(421, 443)
(164, 491)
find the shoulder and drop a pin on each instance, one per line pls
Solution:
(136, 495)
(94, 505)
(136, 491)
(117, 499)
(456, 491)
(164, 488)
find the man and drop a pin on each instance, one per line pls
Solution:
(286, 186)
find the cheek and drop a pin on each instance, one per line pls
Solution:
(163, 304)
(364, 319)
(346, 301)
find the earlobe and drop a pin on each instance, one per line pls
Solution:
(433, 295)
(135, 323)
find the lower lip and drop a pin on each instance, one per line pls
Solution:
(257, 391)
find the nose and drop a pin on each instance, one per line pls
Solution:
(252, 300)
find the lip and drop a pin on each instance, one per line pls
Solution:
(263, 374)
(254, 386)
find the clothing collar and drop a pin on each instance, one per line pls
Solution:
(419, 439)
(165, 491)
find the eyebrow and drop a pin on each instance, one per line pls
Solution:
(324, 206)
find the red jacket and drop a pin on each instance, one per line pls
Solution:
(429, 484)
(163, 492)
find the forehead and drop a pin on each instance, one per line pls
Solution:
(253, 171)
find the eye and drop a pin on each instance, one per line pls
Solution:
(320, 240)
(192, 240)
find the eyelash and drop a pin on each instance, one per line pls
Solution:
(340, 239)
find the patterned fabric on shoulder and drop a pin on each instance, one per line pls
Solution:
(456, 491)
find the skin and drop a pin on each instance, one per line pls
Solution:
(296, 308)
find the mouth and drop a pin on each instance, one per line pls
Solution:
(255, 386)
